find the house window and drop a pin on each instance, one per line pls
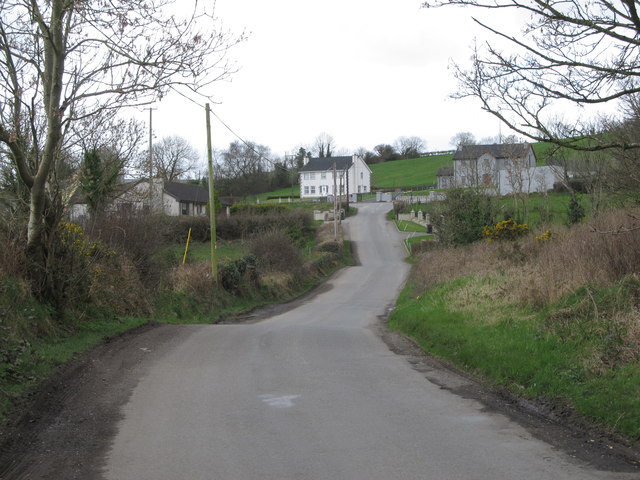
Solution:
(184, 208)
(312, 176)
(306, 190)
(323, 175)
(359, 188)
(361, 175)
(313, 190)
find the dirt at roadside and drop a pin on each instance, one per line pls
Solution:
(67, 426)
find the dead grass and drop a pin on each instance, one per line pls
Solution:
(538, 273)
(277, 284)
(194, 279)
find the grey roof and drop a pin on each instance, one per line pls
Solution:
(445, 172)
(324, 164)
(187, 192)
(497, 150)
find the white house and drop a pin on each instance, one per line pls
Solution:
(353, 175)
(507, 168)
(169, 198)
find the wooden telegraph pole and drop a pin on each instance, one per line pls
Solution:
(335, 203)
(212, 204)
(151, 159)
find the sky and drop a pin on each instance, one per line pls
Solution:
(363, 71)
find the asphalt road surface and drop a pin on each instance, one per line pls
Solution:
(313, 393)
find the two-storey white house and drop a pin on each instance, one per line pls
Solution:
(353, 175)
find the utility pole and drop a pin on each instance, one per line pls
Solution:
(335, 203)
(212, 203)
(346, 172)
(151, 158)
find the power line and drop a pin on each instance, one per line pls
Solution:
(247, 144)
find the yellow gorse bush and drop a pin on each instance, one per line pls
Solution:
(505, 230)
(74, 237)
(545, 236)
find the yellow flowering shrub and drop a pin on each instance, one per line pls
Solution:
(545, 236)
(505, 230)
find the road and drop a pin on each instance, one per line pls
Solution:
(314, 393)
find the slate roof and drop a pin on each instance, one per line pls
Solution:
(445, 172)
(187, 192)
(496, 150)
(324, 164)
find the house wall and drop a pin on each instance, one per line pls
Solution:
(528, 180)
(476, 173)
(319, 184)
(359, 181)
(445, 181)
(487, 170)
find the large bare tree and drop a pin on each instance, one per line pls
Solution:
(583, 53)
(173, 158)
(63, 61)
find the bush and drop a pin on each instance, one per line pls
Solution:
(256, 209)
(276, 252)
(576, 210)
(461, 216)
(297, 223)
(239, 276)
(329, 246)
(505, 230)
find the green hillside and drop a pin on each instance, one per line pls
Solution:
(409, 172)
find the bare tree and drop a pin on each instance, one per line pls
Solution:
(62, 61)
(245, 168)
(519, 176)
(584, 53)
(173, 158)
(385, 152)
(324, 145)
(463, 138)
(410, 147)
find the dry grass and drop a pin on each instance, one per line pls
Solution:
(540, 272)
(277, 284)
(194, 279)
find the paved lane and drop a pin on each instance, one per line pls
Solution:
(314, 394)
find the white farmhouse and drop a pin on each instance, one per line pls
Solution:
(353, 175)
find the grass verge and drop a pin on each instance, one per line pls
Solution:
(586, 366)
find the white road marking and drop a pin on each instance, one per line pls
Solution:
(276, 401)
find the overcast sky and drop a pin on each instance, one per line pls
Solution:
(364, 71)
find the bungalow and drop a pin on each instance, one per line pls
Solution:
(169, 198)
(353, 175)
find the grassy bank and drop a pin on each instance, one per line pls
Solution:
(553, 319)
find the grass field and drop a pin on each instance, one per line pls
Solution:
(409, 172)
